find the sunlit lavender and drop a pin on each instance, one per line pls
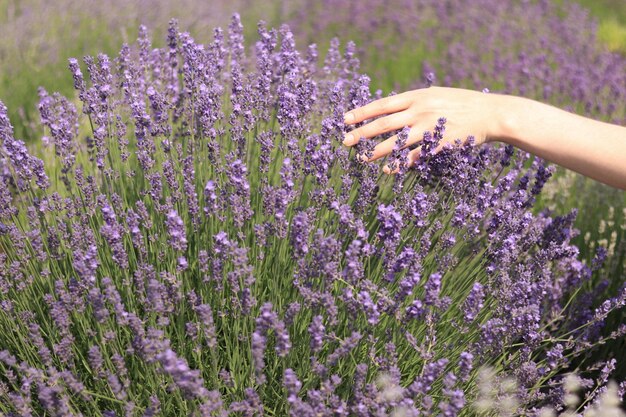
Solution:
(193, 239)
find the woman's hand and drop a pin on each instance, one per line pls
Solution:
(468, 113)
(589, 147)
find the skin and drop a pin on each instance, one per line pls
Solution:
(589, 147)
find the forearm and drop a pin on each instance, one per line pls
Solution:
(587, 146)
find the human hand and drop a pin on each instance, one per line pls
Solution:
(468, 113)
(589, 147)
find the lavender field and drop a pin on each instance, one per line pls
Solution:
(182, 232)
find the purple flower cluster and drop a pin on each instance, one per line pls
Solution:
(17, 158)
(176, 230)
(209, 246)
(268, 320)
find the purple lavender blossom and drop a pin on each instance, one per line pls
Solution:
(344, 348)
(188, 380)
(25, 165)
(113, 232)
(391, 223)
(369, 306)
(176, 230)
(300, 234)
(474, 302)
(432, 289)
(316, 330)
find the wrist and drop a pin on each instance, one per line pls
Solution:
(504, 122)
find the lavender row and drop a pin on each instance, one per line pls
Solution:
(193, 239)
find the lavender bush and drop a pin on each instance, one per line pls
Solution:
(541, 49)
(41, 35)
(198, 242)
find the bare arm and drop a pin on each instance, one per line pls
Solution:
(590, 147)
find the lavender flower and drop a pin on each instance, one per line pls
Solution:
(391, 223)
(113, 232)
(176, 230)
(316, 330)
(189, 381)
(432, 289)
(474, 302)
(370, 307)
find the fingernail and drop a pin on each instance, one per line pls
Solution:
(348, 140)
(348, 118)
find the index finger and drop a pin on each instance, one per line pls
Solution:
(378, 107)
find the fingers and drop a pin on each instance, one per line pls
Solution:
(385, 147)
(411, 158)
(377, 127)
(414, 155)
(379, 107)
(387, 170)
